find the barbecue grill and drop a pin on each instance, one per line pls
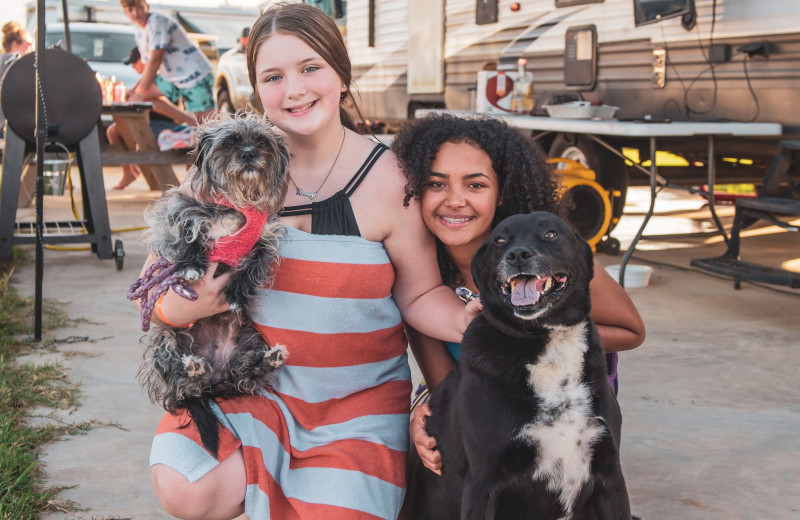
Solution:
(72, 107)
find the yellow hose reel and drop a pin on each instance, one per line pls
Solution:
(591, 211)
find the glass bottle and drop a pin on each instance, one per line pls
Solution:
(523, 87)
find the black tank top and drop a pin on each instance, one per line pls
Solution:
(334, 215)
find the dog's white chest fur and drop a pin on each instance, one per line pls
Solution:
(564, 431)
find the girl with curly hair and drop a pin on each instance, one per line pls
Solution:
(468, 175)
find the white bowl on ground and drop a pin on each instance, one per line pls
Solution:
(635, 275)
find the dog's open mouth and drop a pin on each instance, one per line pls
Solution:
(525, 290)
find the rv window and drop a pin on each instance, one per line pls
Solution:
(567, 3)
(651, 11)
(334, 8)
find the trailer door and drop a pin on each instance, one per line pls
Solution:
(426, 47)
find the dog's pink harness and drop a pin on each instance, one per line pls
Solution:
(233, 248)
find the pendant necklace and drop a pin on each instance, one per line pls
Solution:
(312, 194)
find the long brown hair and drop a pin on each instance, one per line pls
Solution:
(317, 30)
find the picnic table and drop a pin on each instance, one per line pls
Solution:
(140, 146)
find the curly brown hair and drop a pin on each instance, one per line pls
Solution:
(527, 182)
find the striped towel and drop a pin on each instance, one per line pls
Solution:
(329, 439)
(177, 138)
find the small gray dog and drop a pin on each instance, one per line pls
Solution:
(226, 212)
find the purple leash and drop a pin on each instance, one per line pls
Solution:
(161, 276)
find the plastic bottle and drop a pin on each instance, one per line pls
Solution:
(119, 92)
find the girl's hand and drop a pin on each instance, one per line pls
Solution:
(472, 309)
(210, 299)
(425, 444)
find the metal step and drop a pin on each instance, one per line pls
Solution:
(741, 270)
(771, 205)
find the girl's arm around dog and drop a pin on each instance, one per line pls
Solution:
(618, 322)
(210, 298)
(435, 362)
(425, 303)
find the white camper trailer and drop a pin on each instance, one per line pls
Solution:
(657, 60)
(422, 53)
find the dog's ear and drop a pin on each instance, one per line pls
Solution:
(477, 265)
(588, 255)
(205, 141)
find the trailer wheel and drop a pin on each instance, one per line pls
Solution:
(612, 173)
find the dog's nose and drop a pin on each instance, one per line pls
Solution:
(518, 255)
(247, 153)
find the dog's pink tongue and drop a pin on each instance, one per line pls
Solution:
(526, 293)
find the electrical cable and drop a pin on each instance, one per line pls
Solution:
(677, 75)
(750, 88)
(711, 67)
(688, 111)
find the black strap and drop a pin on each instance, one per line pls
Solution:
(355, 181)
(304, 209)
(374, 155)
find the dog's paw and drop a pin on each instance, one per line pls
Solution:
(194, 366)
(191, 273)
(276, 356)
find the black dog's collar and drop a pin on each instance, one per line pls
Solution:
(513, 330)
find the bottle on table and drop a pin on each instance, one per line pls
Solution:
(119, 92)
(501, 84)
(108, 90)
(522, 100)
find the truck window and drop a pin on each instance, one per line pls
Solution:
(95, 46)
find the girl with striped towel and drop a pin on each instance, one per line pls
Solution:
(329, 438)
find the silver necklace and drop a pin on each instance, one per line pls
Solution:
(312, 194)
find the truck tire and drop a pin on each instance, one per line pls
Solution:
(224, 102)
(612, 173)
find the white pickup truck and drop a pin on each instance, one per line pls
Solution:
(232, 84)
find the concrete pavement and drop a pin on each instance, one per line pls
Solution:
(711, 415)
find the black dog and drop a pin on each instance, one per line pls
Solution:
(527, 424)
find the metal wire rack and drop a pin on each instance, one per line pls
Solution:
(52, 228)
